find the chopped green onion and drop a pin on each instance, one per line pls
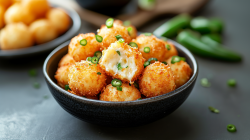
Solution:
(109, 22)
(130, 30)
(231, 82)
(127, 67)
(139, 99)
(136, 85)
(205, 82)
(118, 52)
(167, 46)
(67, 87)
(45, 96)
(98, 54)
(147, 34)
(119, 88)
(99, 73)
(152, 59)
(164, 63)
(133, 44)
(116, 82)
(89, 59)
(36, 85)
(83, 42)
(214, 110)
(176, 59)
(94, 60)
(146, 49)
(121, 40)
(126, 23)
(90, 65)
(98, 38)
(119, 66)
(231, 128)
(146, 63)
(32, 72)
(118, 37)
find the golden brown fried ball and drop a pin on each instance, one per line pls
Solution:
(86, 79)
(43, 31)
(16, 13)
(62, 75)
(182, 72)
(15, 36)
(59, 19)
(133, 30)
(157, 79)
(171, 52)
(5, 3)
(67, 59)
(79, 52)
(2, 11)
(122, 62)
(157, 47)
(37, 7)
(109, 34)
(128, 93)
(89, 97)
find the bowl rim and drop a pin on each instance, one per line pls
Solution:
(75, 27)
(135, 102)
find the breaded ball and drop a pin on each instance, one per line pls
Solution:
(171, 51)
(62, 75)
(122, 62)
(59, 19)
(79, 52)
(132, 30)
(89, 97)
(86, 79)
(157, 79)
(108, 35)
(66, 59)
(37, 7)
(182, 72)
(43, 31)
(157, 47)
(2, 12)
(128, 93)
(15, 36)
(5, 3)
(16, 13)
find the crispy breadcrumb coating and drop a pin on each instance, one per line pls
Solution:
(62, 75)
(171, 52)
(66, 59)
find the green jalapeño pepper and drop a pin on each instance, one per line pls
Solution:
(190, 40)
(173, 26)
(215, 37)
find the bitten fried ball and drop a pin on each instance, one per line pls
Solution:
(15, 36)
(108, 35)
(170, 50)
(62, 75)
(2, 11)
(59, 19)
(157, 79)
(128, 93)
(37, 7)
(130, 28)
(122, 62)
(157, 47)
(182, 72)
(80, 52)
(86, 79)
(67, 59)
(43, 31)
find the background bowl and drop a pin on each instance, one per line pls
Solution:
(48, 46)
(118, 114)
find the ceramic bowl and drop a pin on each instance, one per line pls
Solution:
(118, 114)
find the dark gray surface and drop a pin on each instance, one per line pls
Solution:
(25, 114)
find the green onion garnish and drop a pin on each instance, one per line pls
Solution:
(89, 58)
(99, 73)
(118, 37)
(116, 82)
(167, 46)
(109, 22)
(36, 85)
(130, 30)
(176, 59)
(231, 82)
(147, 34)
(214, 110)
(98, 54)
(152, 59)
(67, 87)
(98, 38)
(146, 49)
(136, 85)
(121, 40)
(119, 66)
(119, 88)
(164, 63)
(32, 72)
(83, 42)
(133, 44)
(205, 82)
(94, 60)
(139, 99)
(90, 65)
(45, 96)
(127, 67)
(126, 23)
(118, 52)
(231, 128)
(146, 63)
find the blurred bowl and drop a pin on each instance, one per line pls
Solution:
(48, 46)
(118, 114)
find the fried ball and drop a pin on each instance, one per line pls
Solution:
(79, 52)
(5, 3)
(157, 79)
(67, 59)
(122, 61)
(89, 97)
(15, 36)
(2, 11)
(62, 75)
(43, 31)
(171, 51)
(157, 47)
(86, 79)
(59, 19)
(128, 93)
(37, 7)
(16, 13)
(182, 72)
(109, 34)
(130, 28)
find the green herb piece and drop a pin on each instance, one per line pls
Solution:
(83, 42)
(109, 22)
(214, 110)
(118, 52)
(146, 63)
(99, 73)
(167, 46)
(45, 96)
(127, 67)
(205, 82)
(152, 59)
(98, 38)
(136, 85)
(164, 63)
(98, 54)
(130, 30)
(231, 128)
(231, 82)
(67, 87)
(36, 85)
(133, 44)
(139, 99)
(119, 66)
(119, 88)
(118, 37)
(90, 65)
(32, 72)
(126, 23)
(147, 34)
(121, 40)
(94, 60)
(116, 83)
(146, 49)
(89, 59)
(176, 59)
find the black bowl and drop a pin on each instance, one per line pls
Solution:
(118, 114)
(48, 46)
